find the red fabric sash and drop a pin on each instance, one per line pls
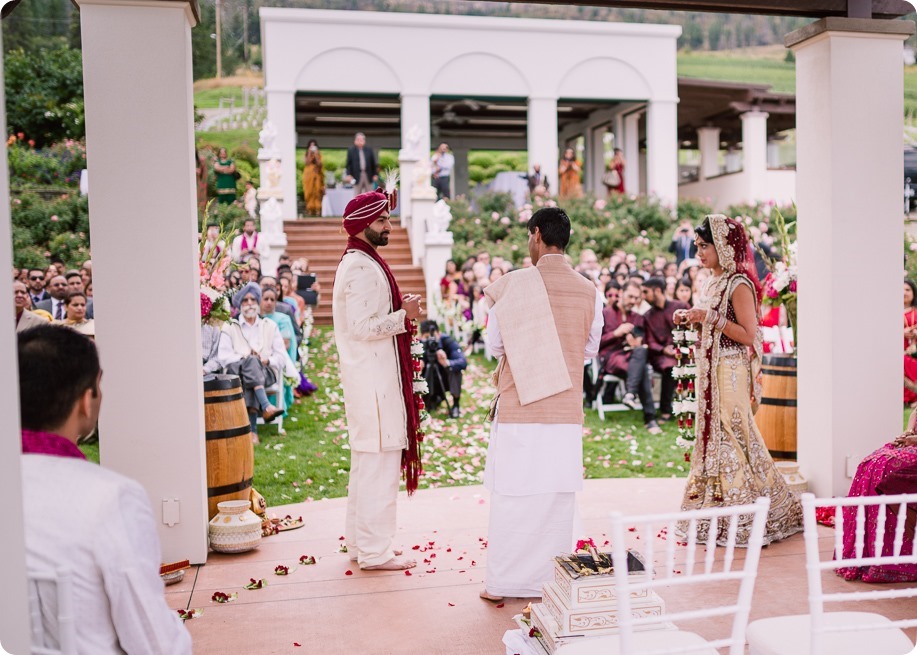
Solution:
(46, 443)
(245, 242)
(410, 457)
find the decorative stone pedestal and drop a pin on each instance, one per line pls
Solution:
(270, 199)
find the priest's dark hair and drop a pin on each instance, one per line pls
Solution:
(913, 287)
(704, 231)
(655, 283)
(56, 366)
(554, 225)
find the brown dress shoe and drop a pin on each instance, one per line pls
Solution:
(270, 413)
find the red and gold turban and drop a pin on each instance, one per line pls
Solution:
(365, 209)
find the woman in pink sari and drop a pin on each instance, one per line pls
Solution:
(890, 470)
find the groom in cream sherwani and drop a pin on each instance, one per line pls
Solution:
(372, 325)
(543, 322)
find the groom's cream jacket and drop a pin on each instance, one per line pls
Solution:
(364, 329)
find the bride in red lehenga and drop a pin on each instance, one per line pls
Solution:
(910, 342)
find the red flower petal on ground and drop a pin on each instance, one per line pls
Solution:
(408, 573)
(297, 645)
(451, 604)
(348, 572)
(498, 606)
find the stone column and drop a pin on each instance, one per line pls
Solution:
(708, 142)
(14, 619)
(754, 153)
(632, 153)
(281, 112)
(415, 110)
(773, 154)
(733, 160)
(422, 202)
(152, 420)
(662, 151)
(849, 108)
(438, 250)
(541, 137)
(407, 162)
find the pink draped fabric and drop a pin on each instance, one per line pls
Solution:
(871, 473)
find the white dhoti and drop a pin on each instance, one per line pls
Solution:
(533, 472)
(372, 498)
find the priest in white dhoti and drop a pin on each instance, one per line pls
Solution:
(373, 325)
(543, 322)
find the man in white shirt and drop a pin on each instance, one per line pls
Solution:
(246, 244)
(443, 163)
(94, 523)
(253, 350)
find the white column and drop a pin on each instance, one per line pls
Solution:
(631, 152)
(595, 148)
(415, 110)
(541, 139)
(281, 111)
(422, 202)
(152, 420)
(773, 154)
(754, 153)
(438, 251)
(460, 185)
(14, 619)
(407, 161)
(849, 107)
(733, 160)
(708, 142)
(662, 151)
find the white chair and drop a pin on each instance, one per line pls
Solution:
(51, 614)
(837, 633)
(635, 636)
(604, 380)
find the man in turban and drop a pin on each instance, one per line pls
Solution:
(373, 325)
(253, 349)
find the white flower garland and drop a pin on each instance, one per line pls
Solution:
(685, 372)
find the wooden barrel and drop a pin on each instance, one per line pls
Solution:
(776, 417)
(230, 455)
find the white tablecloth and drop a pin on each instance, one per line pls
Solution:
(336, 200)
(514, 183)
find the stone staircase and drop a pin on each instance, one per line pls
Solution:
(321, 241)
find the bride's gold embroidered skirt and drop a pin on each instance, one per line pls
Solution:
(745, 468)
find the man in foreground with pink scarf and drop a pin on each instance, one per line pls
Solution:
(543, 322)
(94, 523)
(373, 325)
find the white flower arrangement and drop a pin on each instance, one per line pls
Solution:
(420, 387)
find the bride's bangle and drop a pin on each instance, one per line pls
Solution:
(712, 317)
(721, 323)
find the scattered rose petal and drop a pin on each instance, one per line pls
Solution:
(408, 573)
(451, 604)
(499, 605)
(348, 572)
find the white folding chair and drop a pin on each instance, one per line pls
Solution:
(51, 614)
(635, 634)
(604, 380)
(838, 633)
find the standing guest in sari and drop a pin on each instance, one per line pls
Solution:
(910, 342)
(313, 179)
(200, 179)
(568, 171)
(730, 464)
(617, 165)
(226, 178)
(890, 470)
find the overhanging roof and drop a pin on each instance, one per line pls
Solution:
(810, 8)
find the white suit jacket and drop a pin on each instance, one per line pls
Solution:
(364, 329)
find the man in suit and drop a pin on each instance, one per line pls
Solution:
(54, 305)
(37, 291)
(683, 242)
(361, 168)
(24, 318)
(373, 335)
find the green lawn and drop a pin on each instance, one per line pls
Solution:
(312, 460)
(210, 98)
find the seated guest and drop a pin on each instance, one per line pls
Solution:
(246, 244)
(75, 284)
(91, 521)
(253, 350)
(624, 355)
(890, 470)
(658, 324)
(37, 290)
(269, 307)
(57, 287)
(268, 282)
(75, 306)
(24, 318)
(444, 362)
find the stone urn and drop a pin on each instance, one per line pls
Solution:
(235, 528)
(792, 477)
